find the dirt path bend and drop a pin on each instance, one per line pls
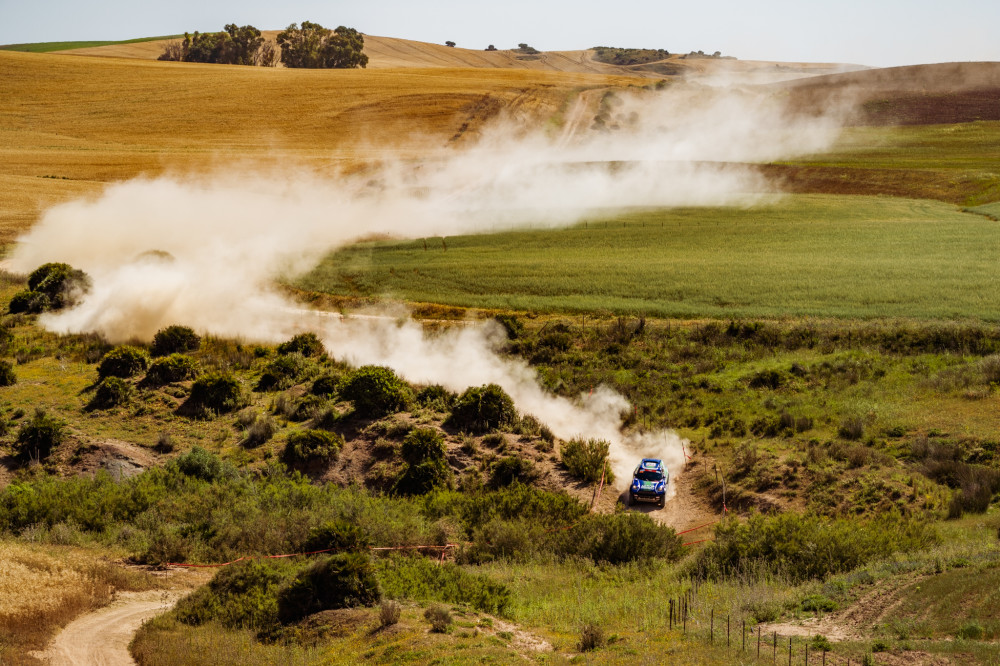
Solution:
(101, 638)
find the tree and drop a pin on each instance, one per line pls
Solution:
(491, 48)
(316, 47)
(449, 43)
(236, 45)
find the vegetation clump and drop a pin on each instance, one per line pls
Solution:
(316, 47)
(426, 468)
(308, 446)
(482, 409)
(170, 369)
(7, 375)
(337, 535)
(111, 392)
(201, 464)
(282, 372)
(217, 392)
(237, 45)
(124, 361)
(306, 344)
(39, 435)
(626, 57)
(51, 286)
(175, 340)
(439, 617)
(344, 580)
(376, 391)
(423, 579)
(587, 460)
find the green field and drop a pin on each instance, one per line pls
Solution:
(47, 47)
(801, 256)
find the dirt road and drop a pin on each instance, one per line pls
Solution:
(101, 638)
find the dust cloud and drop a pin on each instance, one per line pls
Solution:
(206, 252)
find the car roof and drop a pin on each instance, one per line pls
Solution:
(651, 463)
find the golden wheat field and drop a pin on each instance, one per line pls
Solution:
(70, 124)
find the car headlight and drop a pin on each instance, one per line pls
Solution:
(660, 486)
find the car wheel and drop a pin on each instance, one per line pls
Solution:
(663, 502)
(631, 499)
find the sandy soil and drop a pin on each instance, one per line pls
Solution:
(102, 637)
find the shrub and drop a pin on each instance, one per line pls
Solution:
(587, 460)
(111, 392)
(325, 385)
(306, 344)
(307, 446)
(421, 445)
(170, 369)
(218, 392)
(435, 397)
(339, 535)
(375, 391)
(620, 538)
(423, 579)
(201, 464)
(388, 613)
(511, 325)
(261, 430)
(591, 638)
(821, 642)
(124, 361)
(818, 602)
(240, 596)
(439, 617)
(344, 580)
(852, 427)
(39, 435)
(7, 376)
(28, 302)
(282, 373)
(423, 477)
(512, 469)
(808, 547)
(307, 407)
(175, 340)
(61, 284)
(971, 630)
(484, 408)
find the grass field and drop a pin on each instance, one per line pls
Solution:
(48, 47)
(804, 255)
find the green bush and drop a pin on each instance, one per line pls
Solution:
(344, 580)
(818, 602)
(307, 446)
(338, 535)
(423, 579)
(587, 460)
(241, 596)
(325, 385)
(376, 391)
(482, 409)
(971, 630)
(619, 538)
(111, 392)
(512, 469)
(28, 302)
(170, 369)
(216, 392)
(510, 323)
(124, 361)
(435, 397)
(51, 286)
(175, 340)
(282, 373)
(7, 375)
(201, 464)
(426, 468)
(39, 435)
(306, 344)
(806, 547)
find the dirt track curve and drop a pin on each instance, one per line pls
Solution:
(101, 638)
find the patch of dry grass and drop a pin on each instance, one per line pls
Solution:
(43, 588)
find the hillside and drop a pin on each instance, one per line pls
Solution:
(391, 52)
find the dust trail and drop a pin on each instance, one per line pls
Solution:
(226, 238)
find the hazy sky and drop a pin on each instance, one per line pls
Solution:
(870, 32)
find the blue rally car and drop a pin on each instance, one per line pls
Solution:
(649, 482)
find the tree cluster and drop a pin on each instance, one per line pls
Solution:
(313, 46)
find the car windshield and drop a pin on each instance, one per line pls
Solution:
(649, 475)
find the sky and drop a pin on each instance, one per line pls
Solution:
(878, 33)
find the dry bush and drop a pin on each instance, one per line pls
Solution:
(439, 617)
(389, 613)
(591, 638)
